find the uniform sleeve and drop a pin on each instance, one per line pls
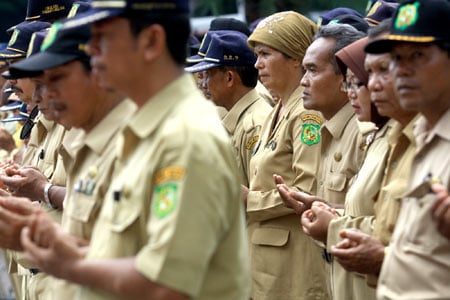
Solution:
(363, 223)
(195, 200)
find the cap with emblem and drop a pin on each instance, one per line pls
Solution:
(21, 116)
(216, 25)
(227, 48)
(34, 47)
(380, 11)
(78, 7)
(60, 46)
(416, 21)
(47, 10)
(20, 39)
(104, 9)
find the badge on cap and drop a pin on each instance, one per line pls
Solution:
(407, 16)
(14, 36)
(51, 36)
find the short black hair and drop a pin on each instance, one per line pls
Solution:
(248, 74)
(177, 27)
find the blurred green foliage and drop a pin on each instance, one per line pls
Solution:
(11, 13)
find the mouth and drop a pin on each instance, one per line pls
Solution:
(404, 88)
(306, 95)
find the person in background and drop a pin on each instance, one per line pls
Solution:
(289, 145)
(231, 79)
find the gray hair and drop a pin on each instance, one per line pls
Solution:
(343, 34)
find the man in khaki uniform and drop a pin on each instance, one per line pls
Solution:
(231, 79)
(342, 148)
(416, 265)
(365, 254)
(99, 113)
(167, 229)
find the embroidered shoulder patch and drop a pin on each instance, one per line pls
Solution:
(165, 199)
(168, 173)
(310, 117)
(251, 142)
(310, 134)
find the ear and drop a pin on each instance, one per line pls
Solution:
(230, 78)
(152, 41)
(341, 84)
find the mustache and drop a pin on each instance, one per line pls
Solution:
(15, 88)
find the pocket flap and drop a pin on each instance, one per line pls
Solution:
(270, 236)
(337, 182)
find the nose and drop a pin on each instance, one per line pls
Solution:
(258, 63)
(304, 81)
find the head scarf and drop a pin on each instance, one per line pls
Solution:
(288, 32)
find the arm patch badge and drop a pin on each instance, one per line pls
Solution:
(165, 199)
(310, 134)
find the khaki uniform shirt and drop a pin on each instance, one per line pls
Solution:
(174, 202)
(342, 153)
(50, 163)
(243, 122)
(88, 180)
(281, 254)
(359, 201)
(396, 176)
(418, 261)
(37, 137)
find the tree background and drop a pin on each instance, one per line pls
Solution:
(14, 11)
(11, 13)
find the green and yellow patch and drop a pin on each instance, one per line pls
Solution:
(407, 16)
(310, 134)
(165, 199)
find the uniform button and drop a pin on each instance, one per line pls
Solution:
(126, 192)
(338, 156)
(320, 182)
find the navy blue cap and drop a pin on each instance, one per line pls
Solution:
(47, 10)
(12, 105)
(191, 60)
(227, 48)
(34, 47)
(325, 18)
(229, 24)
(78, 7)
(21, 116)
(416, 21)
(60, 46)
(104, 9)
(381, 10)
(356, 22)
(20, 39)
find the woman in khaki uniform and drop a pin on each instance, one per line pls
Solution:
(284, 261)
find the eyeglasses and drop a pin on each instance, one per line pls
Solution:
(29, 124)
(352, 86)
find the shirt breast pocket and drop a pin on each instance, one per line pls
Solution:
(336, 182)
(123, 213)
(81, 207)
